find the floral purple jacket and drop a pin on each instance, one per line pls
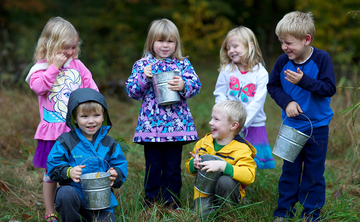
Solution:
(168, 123)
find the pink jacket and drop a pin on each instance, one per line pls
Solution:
(53, 88)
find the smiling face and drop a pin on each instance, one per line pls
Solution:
(89, 122)
(164, 48)
(236, 50)
(296, 49)
(221, 128)
(70, 49)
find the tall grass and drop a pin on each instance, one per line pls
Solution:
(21, 184)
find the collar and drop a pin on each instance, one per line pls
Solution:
(151, 59)
(43, 66)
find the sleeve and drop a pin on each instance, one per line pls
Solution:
(221, 87)
(57, 164)
(191, 80)
(41, 81)
(88, 81)
(274, 86)
(137, 84)
(189, 163)
(244, 167)
(255, 106)
(324, 85)
(119, 163)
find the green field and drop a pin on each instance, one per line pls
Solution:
(21, 184)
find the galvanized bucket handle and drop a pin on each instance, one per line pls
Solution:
(243, 132)
(96, 157)
(306, 118)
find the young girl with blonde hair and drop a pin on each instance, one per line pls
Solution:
(55, 75)
(163, 129)
(243, 78)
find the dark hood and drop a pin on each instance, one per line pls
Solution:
(85, 95)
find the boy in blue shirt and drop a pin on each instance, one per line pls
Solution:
(85, 149)
(302, 81)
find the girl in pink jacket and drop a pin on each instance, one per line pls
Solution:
(55, 75)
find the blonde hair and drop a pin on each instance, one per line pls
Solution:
(88, 107)
(56, 35)
(163, 29)
(296, 24)
(252, 56)
(235, 111)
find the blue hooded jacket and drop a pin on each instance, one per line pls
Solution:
(73, 149)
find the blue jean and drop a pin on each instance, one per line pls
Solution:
(71, 208)
(163, 172)
(303, 181)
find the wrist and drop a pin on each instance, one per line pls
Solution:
(68, 172)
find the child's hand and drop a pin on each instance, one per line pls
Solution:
(294, 77)
(113, 175)
(76, 172)
(147, 71)
(59, 60)
(213, 165)
(293, 109)
(177, 84)
(196, 160)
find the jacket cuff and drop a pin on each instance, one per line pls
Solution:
(229, 170)
(191, 166)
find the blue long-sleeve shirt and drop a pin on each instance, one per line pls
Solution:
(312, 93)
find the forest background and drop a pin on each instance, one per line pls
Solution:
(113, 34)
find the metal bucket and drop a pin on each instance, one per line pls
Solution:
(290, 141)
(97, 191)
(206, 182)
(164, 95)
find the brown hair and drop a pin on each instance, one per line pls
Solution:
(163, 29)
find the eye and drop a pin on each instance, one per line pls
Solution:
(67, 94)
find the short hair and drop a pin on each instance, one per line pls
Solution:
(56, 35)
(253, 55)
(88, 107)
(297, 24)
(235, 111)
(163, 29)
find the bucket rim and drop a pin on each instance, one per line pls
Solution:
(311, 126)
(101, 177)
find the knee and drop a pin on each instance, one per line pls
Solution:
(226, 182)
(226, 185)
(65, 195)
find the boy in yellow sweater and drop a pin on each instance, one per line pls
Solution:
(227, 119)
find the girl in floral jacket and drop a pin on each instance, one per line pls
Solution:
(163, 129)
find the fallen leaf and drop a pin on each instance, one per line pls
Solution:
(3, 188)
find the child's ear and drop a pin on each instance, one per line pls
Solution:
(307, 39)
(234, 125)
(252, 45)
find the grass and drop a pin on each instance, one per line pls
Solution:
(21, 184)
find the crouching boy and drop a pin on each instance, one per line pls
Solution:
(227, 119)
(85, 149)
